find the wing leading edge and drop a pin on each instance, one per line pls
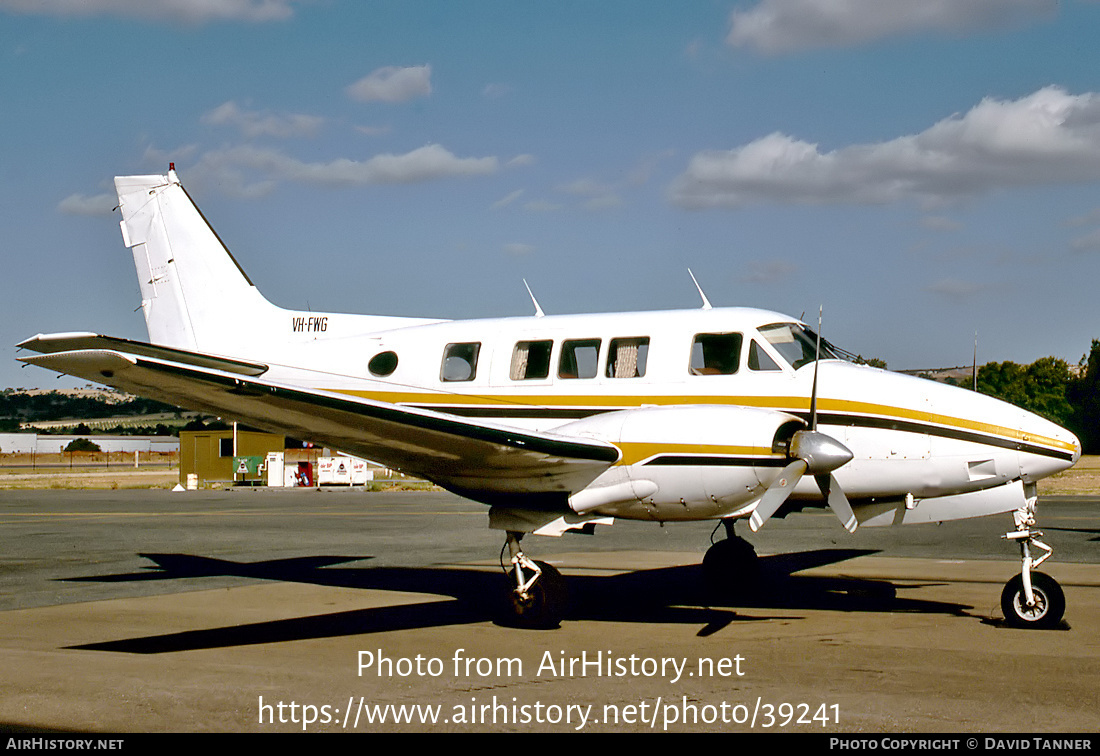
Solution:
(491, 463)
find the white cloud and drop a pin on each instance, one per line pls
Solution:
(585, 187)
(954, 288)
(373, 131)
(170, 11)
(519, 250)
(81, 204)
(599, 196)
(496, 91)
(1087, 243)
(768, 272)
(255, 123)
(1089, 218)
(940, 223)
(392, 84)
(160, 159)
(427, 163)
(605, 202)
(542, 206)
(784, 26)
(505, 201)
(1047, 137)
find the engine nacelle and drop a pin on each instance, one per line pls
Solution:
(684, 462)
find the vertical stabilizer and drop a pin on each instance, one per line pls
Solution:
(193, 293)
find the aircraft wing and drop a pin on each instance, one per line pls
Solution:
(484, 461)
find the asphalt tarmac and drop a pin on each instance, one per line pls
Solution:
(335, 610)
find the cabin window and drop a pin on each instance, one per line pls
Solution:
(460, 362)
(759, 359)
(383, 363)
(531, 360)
(716, 353)
(579, 358)
(626, 358)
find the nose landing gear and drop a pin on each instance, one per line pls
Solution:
(1031, 599)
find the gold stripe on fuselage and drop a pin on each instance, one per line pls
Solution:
(635, 452)
(793, 404)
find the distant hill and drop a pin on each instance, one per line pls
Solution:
(54, 408)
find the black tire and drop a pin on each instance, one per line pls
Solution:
(545, 605)
(1050, 602)
(731, 567)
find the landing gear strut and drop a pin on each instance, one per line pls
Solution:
(540, 597)
(731, 565)
(1031, 599)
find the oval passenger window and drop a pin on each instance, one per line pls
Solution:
(383, 363)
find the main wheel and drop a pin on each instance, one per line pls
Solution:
(731, 567)
(1049, 606)
(545, 604)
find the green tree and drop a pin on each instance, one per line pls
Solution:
(82, 445)
(872, 361)
(1084, 396)
(1041, 387)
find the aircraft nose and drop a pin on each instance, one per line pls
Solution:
(1039, 447)
(1059, 449)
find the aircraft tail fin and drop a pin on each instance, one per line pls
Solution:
(193, 292)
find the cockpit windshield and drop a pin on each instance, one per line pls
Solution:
(796, 343)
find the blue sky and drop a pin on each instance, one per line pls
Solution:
(924, 171)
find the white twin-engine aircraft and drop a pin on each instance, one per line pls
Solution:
(562, 422)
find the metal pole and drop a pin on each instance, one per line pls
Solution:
(975, 371)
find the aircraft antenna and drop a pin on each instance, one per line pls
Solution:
(538, 310)
(817, 364)
(706, 302)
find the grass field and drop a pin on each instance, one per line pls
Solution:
(1082, 478)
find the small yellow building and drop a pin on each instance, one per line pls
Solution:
(209, 454)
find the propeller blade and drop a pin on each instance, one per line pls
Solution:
(838, 502)
(777, 493)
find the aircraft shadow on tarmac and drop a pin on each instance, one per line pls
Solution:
(1077, 530)
(665, 595)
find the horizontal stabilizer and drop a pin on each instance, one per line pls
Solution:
(70, 342)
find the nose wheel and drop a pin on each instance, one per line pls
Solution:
(1031, 599)
(1043, 611)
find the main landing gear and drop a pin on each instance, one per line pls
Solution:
(730, 565)
(1031, 599)
(540, 596)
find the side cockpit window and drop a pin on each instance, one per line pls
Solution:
(580, 358)
(626, 358)
(531, 360)
(759, 359)
(460, 362)
(716, 354)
